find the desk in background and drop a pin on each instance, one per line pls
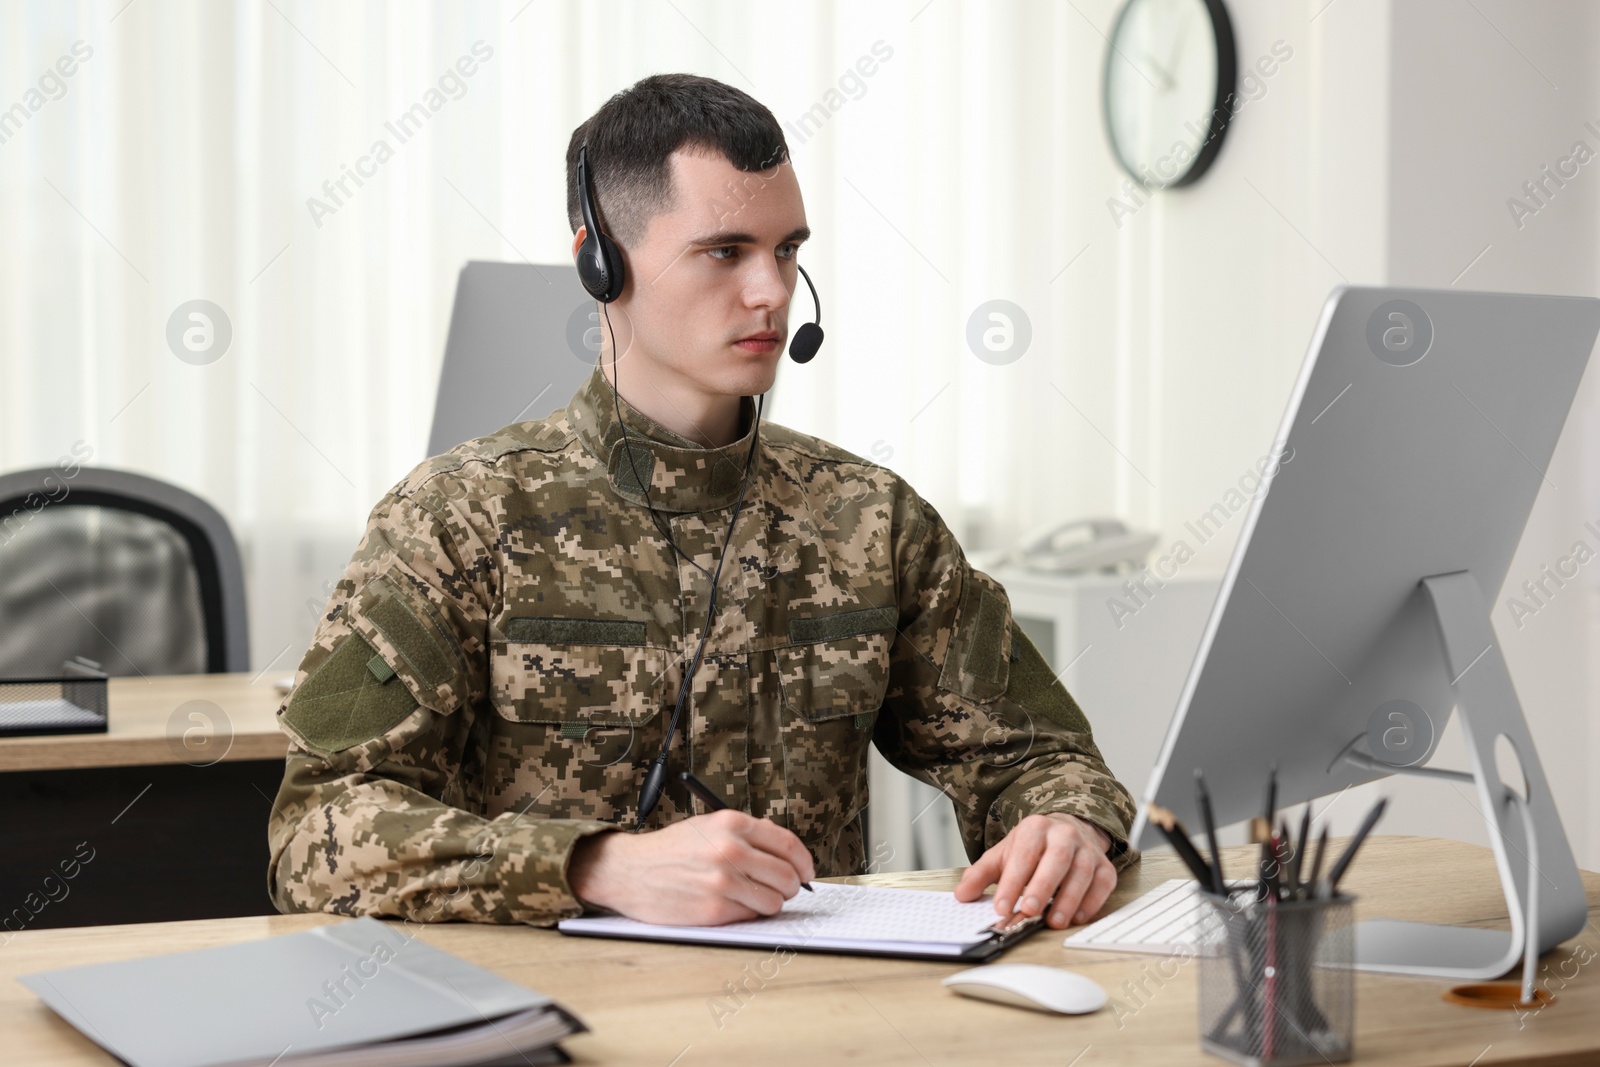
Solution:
(171, 802)
(658, 1004)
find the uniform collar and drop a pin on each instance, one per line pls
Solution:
(682, 476)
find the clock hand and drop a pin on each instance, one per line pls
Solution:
(1177, 45)
(1159, 70)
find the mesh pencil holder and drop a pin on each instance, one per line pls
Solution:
(1277, 981)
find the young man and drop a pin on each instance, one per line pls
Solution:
(502, 661)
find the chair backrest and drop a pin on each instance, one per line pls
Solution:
(132, 572)
(523, 338)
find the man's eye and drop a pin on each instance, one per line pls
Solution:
(733, 251)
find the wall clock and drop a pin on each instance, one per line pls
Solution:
(1169, 83)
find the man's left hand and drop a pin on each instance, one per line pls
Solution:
(1044, 856)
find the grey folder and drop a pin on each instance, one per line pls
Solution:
(360, 985)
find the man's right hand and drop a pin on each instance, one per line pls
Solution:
(706, 870)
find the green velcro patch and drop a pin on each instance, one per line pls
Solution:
(632, 466)
(1035, 687)
(864, 719)
(983, 654)
(412, 639)
(575, 631)
(842, 624)
(341, 703)
(575, 730)
(380, 670)
(977, 660)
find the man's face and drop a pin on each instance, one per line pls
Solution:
(718, 268)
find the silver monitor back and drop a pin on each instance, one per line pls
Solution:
(1414, 444)
(523, 338)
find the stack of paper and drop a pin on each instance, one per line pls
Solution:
(45, 716)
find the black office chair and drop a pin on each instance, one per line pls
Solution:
(115, 567)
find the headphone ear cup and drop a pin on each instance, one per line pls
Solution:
(600, 267)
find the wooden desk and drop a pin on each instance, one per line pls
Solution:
(653, 1004)
(193, 719)
(172, 800)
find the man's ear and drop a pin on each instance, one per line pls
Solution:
(577, 239)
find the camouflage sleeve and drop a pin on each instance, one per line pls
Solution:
(973, 708)
(387, 726)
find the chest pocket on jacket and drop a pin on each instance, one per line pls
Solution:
(832, 686)
(576, 713)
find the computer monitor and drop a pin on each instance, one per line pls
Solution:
(1353, 618)
(523, 338)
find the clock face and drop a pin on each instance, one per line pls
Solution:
(1168, 68)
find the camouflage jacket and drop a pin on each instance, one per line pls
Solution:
(498, 663)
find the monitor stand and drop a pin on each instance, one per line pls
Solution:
(1542, 887)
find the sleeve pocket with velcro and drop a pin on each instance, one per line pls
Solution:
(353, 696)
(414, 639)
(978, 659)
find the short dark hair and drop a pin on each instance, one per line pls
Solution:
(632, 135)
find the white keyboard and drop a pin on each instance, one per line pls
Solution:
(1163, 921)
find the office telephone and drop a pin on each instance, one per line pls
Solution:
(1085, 545)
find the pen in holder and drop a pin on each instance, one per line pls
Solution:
(1276, 979)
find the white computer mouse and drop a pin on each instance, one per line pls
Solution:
(1031, 985)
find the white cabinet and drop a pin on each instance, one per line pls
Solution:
(1121, 643)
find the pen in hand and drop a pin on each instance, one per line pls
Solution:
(715, 803)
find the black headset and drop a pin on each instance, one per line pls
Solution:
(601, 272)
(600, 266)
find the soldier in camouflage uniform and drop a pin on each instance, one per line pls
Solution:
(469, 729)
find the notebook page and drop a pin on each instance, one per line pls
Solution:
(835, 916)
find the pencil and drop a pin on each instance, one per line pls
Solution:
(1272, 797)
(1173, 830)
(1316, 861)
(1267, 816)
(1343, 863)
(1218, 883)
(1273, 868)
(1285, 859)
(1297, 853)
